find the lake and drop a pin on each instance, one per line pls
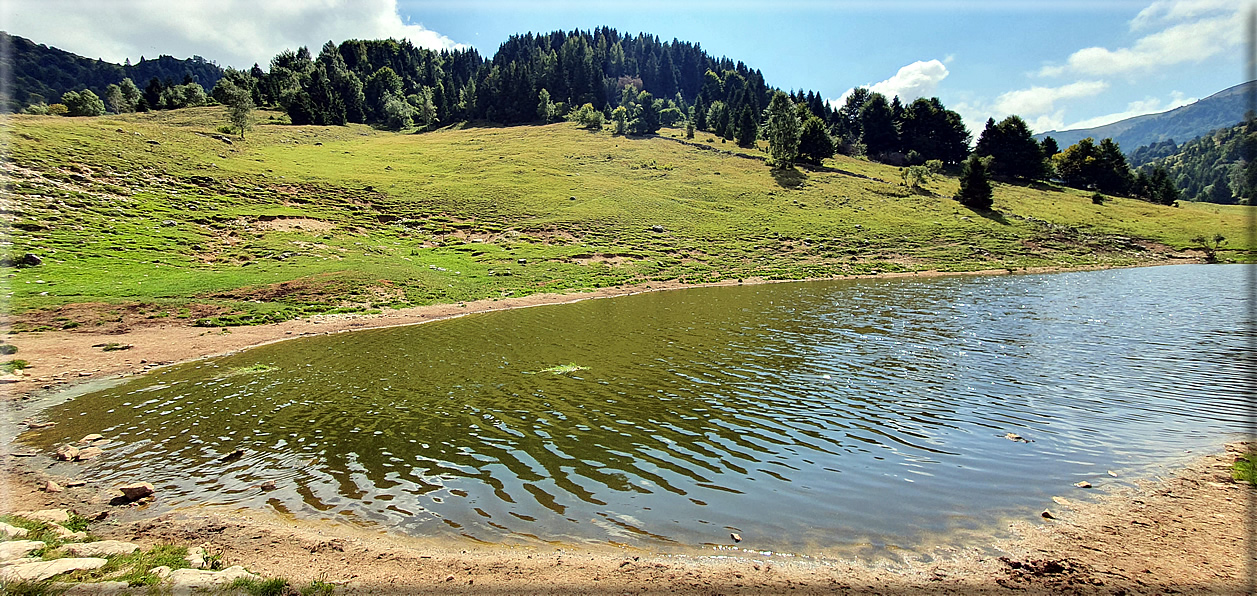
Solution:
(848, 418)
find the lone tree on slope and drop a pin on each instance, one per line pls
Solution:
(975, 184)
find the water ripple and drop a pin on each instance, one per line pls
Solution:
(814, 416)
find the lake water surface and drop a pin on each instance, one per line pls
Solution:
(844, 417)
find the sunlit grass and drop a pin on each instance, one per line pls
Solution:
(299, 220)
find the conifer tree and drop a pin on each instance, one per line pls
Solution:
(783, 131)
(748, 129)
(815, 144)
(975, 184)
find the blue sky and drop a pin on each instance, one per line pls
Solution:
(1062, 64)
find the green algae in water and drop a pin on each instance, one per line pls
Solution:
(563, 369)
(252, 369)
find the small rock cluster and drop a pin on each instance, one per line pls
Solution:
(17, 564)
(84, 450)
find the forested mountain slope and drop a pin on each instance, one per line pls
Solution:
(1222, 109)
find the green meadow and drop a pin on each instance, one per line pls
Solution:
(162, 213)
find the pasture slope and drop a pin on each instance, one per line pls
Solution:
(160, 217)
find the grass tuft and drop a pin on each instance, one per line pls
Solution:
(260, 587)
(1244, 470)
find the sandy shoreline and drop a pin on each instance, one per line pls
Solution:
(1183, 534)
(1187, 533)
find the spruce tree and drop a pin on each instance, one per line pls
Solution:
(748, 129)
(815, 144)
(975, 184)
(783, 131)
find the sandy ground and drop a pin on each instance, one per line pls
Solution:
(1190, 533)
(1186, 534)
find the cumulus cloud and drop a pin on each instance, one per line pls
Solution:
(1042, 100)
(1186, 31)
(1038, 106)
(231, 32)
(918, 79)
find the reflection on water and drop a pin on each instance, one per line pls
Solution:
(846, 416)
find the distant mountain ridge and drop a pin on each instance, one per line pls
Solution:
(1222, 109)
(42, 73)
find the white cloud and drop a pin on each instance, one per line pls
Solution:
(231, 32)
(1036, 105)
(1036, 101)
(918, 79)
(1164, 11)
(1193, 31)
(1150, 105)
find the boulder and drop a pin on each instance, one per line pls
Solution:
(56, 516)
(87, 453)
(162, 572)
(11, 531)
(90, 439)
(186, 581)
(42, 570)
(30, 260)
(103, 548)
(17, 549)
(52, 487)
(67, 453)
(136, 491)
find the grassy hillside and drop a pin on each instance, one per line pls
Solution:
(159, 210)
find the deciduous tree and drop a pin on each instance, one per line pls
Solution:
(82, 103)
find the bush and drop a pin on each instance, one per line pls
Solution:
(915, 176)
(82, 103)
(1097, 199)
(587, 117)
